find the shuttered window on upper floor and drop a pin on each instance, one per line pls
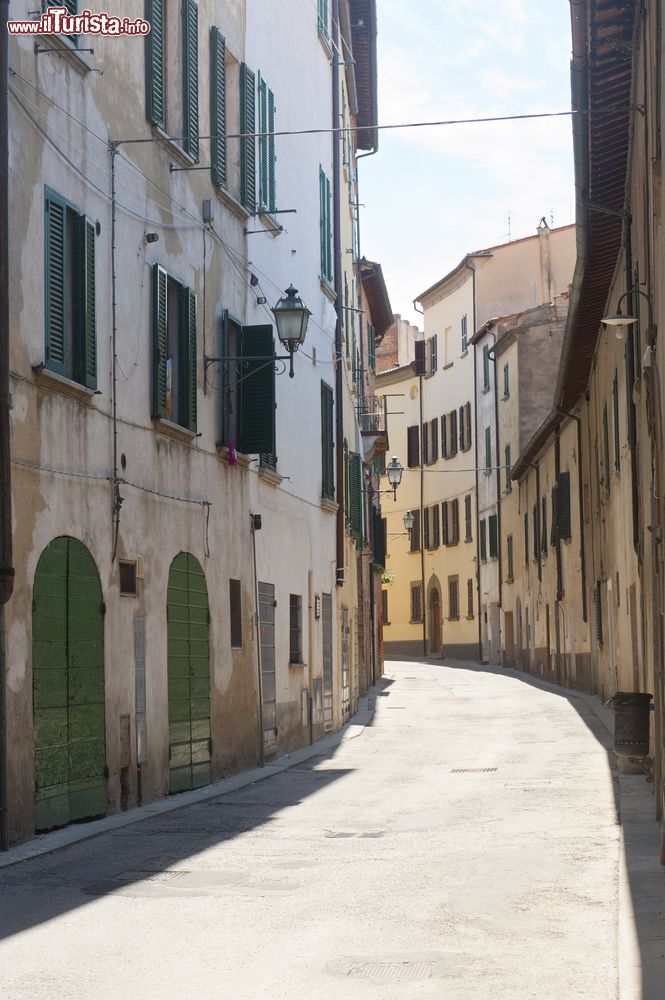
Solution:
(70, 301)
(325, 228)
(323, 18)
(266, 146)
(327, 443)
(564, 530)
(218, 155)
(71, 7)
(248, 142)
(172, 98)
(355, 497)
(174, 368)
(413, 446)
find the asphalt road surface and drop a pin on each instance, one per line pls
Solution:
(465, 844)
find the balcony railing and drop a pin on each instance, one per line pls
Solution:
(372, 415)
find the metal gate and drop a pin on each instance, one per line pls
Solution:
(268, 681)
(346, 693)
(327, 635)
(68, 686)
(188, 623)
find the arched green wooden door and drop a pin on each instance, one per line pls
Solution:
(188, 622)
(68, 686)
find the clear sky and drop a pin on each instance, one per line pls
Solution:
(431, 195)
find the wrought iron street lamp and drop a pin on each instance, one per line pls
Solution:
(394, 472)
(618, 320)
(409, 520)
(291, 316)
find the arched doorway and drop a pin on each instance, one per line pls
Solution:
(188, 623)
(68, 686)
(434, 614)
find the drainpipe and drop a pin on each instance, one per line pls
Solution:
(257, 622)
(471, 268)
(492, 356)
(6, 549)
(337, 241)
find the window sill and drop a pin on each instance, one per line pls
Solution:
(470, 618)
(270, 476)
(171, 146)
(82, 62)
(233, 205)
(504, 398)
(485, 389)
(416, 621)
(243, 461)
(273, 228)
(324, 38)
(487, 472)
(453, 618)
(297, 665)
(169, 429)
(465, 353)
(328, 290)
(237, 649)
(330, 505)
(60, 383)
(510, 579)
(449, 365)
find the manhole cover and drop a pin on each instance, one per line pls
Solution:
(474, 770)
(392, 972)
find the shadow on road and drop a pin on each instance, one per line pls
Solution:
(152, 855)
(636, 811)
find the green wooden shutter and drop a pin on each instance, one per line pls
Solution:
(262, 93)
(543, 526)
(218, 106)
(56, 285)
(322, 18)
(486, 367)
(327, 447)
(322, 222)
(563, 504)
(86, 343)
(187, 414)
(272, 158)
(483, 540)
(257, 392)
(493, 536)
(154, 62)
(329, 254)
(371, 348)
(598, 612)
(247, 144)
(159, 340)
(190, 77)
(356, 500)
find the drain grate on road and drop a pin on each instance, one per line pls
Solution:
(392, 972)
(474, 770)
(150, 876)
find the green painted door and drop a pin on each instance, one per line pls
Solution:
(188, 621)
(68, 686)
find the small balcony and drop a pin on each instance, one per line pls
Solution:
(373, 422)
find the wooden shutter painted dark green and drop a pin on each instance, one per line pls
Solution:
(56, 284)
(84, 305)
(257, 392)
(190, 77)
(355, 496)
(272, 158)
(248, 143)
(187, 415)
(483, 540)
(327, 445)
(415, 531)
(413, 446)
(262, 143)
(563, 505)
(154, 63)
(493, 536)
(322, 222)
(329, 241)
(543, 525)
(218, 107)
(486, 367)
(159, 340)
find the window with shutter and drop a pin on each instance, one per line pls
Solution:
(509, 549)
(235, 613)
(356, 496)
(257, 392)
(598, 612)
(174, 350)
(506, 381)
(543, 526)
(415, 531)
(454, 509)
(325, 229)
(468, 519)
(190, 78)
(322, 18)
(486, 368)
(436, 534)
(444, 436)
(606, 450)
(445, 523)
(526, 540)
(413, 447)
(416, 603)
(248, 143)
(453, 598)
(465, 336)
(488, 448)
(469, 598)
(327, 443)
(468, 426)
(483, 540)
(555, 517)
(509, 469)
(218, 107)
(371, 348)
(563, 506)
(266, 146)
(426, 454)
(71, 7)
(493, 536)
(427, 535)
(452, 439)
(434, 441)
(536, 533)
(69, 294)
(154, 64)
(462, 427)
(420, 363)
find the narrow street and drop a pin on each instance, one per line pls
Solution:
(465, 844)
